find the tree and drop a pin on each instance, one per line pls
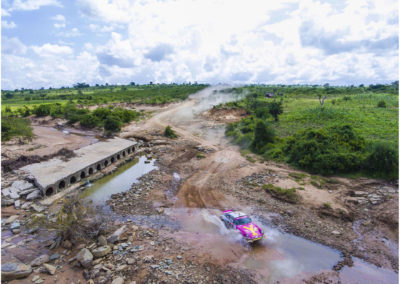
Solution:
(262, 136)
(132, 83)
(322, 101)
(112, 124)
(275, 109)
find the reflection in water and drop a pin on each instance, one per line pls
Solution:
(119, 181)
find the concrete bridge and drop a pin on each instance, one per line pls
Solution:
(54, 175)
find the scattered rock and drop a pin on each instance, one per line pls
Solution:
(50, 268)
(33, 195)
(14, 270)
(7, 201)
(35, 278)
(336, 233)
(101, 251)
(148, 258)
(40, 260)
(11, 219)
(118, 280)
(37, 208)
(21, 185)
(102, 240)
(84, 257)
(15, 225)
(115, 237)
(17, 204)
(66, 244)
(54, 256)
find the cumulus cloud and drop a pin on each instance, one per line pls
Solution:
(8, 25)
(60, 21)
(12, 46)
(289, 42)
(159, 52)
(51, 50)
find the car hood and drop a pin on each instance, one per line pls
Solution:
(251, 230)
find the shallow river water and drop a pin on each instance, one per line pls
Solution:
(279, 257)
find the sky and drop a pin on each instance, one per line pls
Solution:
(54, 43)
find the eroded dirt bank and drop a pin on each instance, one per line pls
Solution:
(168, 230)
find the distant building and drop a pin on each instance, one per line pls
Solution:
(269, 95)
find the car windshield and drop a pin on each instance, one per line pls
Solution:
(242, 221)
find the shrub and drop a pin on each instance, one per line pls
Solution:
(330, 150)
(275, 109)
(382, 160)
(289, 194)
(112, 124)
(381, 104)
(263, 134)
(42, 110)
(15, 127)
(89, 121)
(169, 132)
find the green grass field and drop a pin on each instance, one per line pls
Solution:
(370, 112)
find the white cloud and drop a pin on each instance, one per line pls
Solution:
(74, 32)
(5, 13)
(8, 25)
(60, 21)
(12, 46)
(51, 50)
(28, 5)
(309, 41)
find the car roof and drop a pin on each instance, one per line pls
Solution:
(236, 214)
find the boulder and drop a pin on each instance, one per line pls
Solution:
(33, 195)
(14, 270)
(102, 241)
(101, 251)
(21, 185)
(15, 225)
(6, 191)
(50, 268)
(17, 204)
(11, 219)
(27, 191)
(40, 260)
(84, 257)
(14, 195)
(115, 237)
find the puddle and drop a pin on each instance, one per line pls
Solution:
(119, 181)
(363, 272)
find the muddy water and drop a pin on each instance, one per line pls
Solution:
(278, 257)
(119, 181)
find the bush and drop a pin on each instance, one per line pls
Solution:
(89, 121)
(169, 132)
(15, 127)
(382, 161)
(112, 124)
(42, 110)
(381, 104)
(275, 109)
(326, 151)
(263, 134)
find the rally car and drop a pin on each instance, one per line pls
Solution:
(241, 222)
